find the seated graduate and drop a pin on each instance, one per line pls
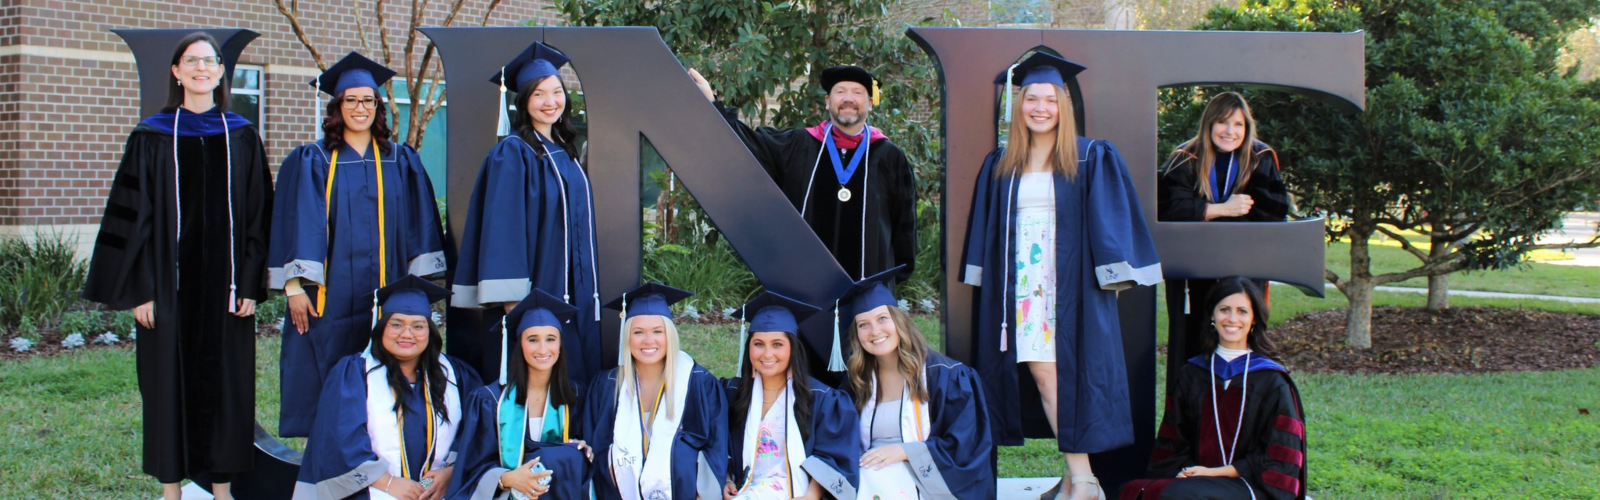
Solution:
(671, 443)
(799, 440)
(519, 440)
(387, 422)
(1234, 426)
(334, 197)
(923, 418)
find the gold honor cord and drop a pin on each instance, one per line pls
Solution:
(327, 206)
(400, 415)
(643, 428)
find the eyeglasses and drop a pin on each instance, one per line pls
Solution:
(364, 102)
(196, 61)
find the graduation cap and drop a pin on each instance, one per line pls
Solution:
(1037, 68)
(771, 312)
(865, 295)
(353, 71)
(539, 308)
(832, 76)
(652, 299)
(536, 61)
(409, 295)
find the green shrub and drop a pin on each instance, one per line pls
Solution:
(88, 323)
(39, 279)
(271, 311)
(123, 323)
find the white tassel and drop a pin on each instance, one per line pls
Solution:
(505, 121)
(836, 358)
(505, 352)
(316, 127)
(744, 329)
(672, 181)
(374, 310)
(622, 333)
(1005, 99)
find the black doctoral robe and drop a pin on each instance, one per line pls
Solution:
(197, 366)
(1179, 200)
(795, 160)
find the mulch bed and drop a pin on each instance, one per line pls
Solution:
(1457, 340)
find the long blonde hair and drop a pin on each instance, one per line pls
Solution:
(625, 370)
(913, 351)
(1063, 156)
(1220, 108)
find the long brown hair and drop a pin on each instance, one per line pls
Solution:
(333, 123)
(561, 391)
(1063, 156)
(1256, 338)
(913, 352)
(1220, 108)
(427, 363)
(739, 407)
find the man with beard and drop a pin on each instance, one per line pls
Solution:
(859, 199)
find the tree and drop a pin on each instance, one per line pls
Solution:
(424, 90)
(1474, 141)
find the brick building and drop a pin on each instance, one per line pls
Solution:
(69, 91)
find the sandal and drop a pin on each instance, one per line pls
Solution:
(1100, 492)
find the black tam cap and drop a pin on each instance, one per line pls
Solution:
(836, 74)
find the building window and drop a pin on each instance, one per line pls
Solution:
(1022, 13)
(432, 149)
(246, 92)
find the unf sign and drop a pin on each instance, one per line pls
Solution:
(635, 87)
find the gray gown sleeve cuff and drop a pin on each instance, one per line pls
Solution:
(490, 292)
(489, 483)
(306, 270)
(974, 275)
(1120, 276)
(427, 264)
(705, 485)
(829, 477)
(349, 483)
(927, 474)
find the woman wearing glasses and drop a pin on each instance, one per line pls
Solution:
(354, 213)
(183, 244)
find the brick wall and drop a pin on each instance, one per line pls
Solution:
(69, 89)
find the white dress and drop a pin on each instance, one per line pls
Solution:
(1035, 259)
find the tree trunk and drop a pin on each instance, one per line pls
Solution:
(1438, 285)
(1358, 318)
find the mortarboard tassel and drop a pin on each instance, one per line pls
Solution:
(1005, 98)
(744, 322)
(622, 333)
(672, 180)
(836, 358)
(505, 352)
(374, 310)
(505, 121)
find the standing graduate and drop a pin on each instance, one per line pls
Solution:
(531, 220)
(860, 201)
(389, 418)
(658, 422)
(521, 433)
(1234, 426)
(923, 418)
(1056, 231)
(183, 243)
(1213, 177)
(354, 211)
(799, 440)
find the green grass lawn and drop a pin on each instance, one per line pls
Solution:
(1535, 278)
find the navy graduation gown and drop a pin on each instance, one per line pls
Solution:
(340, 461)
(954, 463)
(703, 429)
(833, 450)
(196, 368)
(519, 236)
(333, 246)
(478, 468)
(1270, 449)
(1102, 245)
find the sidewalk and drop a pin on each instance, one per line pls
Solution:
(1496, 295)
(1578, 226)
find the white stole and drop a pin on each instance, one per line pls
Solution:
(383, 427)
(637, 473)
(894, 482)
(794, 448)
